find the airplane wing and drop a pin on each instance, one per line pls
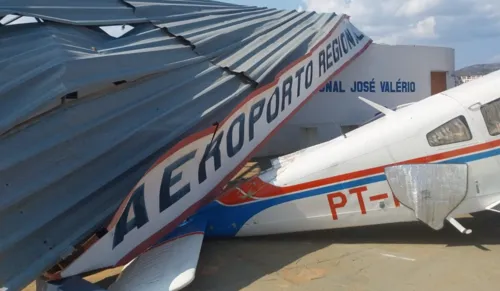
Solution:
(495, 207)
(168, 265)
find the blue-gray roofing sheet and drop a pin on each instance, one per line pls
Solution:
(75, 12)
(75, 138)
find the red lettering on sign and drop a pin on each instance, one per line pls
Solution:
(333, 205)
(379, 197)
(359, 192)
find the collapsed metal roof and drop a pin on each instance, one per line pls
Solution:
(83, 115)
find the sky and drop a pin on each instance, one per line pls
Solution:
(471, 27)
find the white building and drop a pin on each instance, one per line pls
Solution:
(465, 79)
(388, 75)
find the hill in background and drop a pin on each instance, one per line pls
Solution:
(479, 69)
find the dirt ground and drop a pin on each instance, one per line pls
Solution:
(403, 257)
(399, 257)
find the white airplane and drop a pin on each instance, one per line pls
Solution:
(428, 161)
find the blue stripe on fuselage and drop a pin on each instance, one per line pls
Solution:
(228, 220)
(472, 157)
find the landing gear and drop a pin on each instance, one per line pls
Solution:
(458, 226)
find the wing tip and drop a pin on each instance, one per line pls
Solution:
(183, 280)
(377, 107)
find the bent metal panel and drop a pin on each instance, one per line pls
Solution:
(198, 167)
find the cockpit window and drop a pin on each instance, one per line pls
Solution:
(453, 131)
(491, 115)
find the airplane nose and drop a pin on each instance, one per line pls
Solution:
(249, 190)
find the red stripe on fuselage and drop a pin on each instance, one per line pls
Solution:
(266, 190)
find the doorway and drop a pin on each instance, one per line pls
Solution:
(438, 82)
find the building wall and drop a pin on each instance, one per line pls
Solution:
(379, 70)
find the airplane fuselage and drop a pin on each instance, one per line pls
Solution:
(362, 198)
(341, 183)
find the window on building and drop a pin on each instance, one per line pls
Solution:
(491, 115)
(453, 131)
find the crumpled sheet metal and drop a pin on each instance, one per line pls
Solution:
(79, 162)
(246, 39)
(66, 164)
(267, 31)
(75, 12)
(56, 59)
(432, 191)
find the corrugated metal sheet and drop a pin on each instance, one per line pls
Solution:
(76, 12)
(66, 163)
(249, 40)
(56, 59)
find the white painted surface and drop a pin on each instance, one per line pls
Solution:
(328, 110)
(169, 267)
(320, 202)
(314, 213)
